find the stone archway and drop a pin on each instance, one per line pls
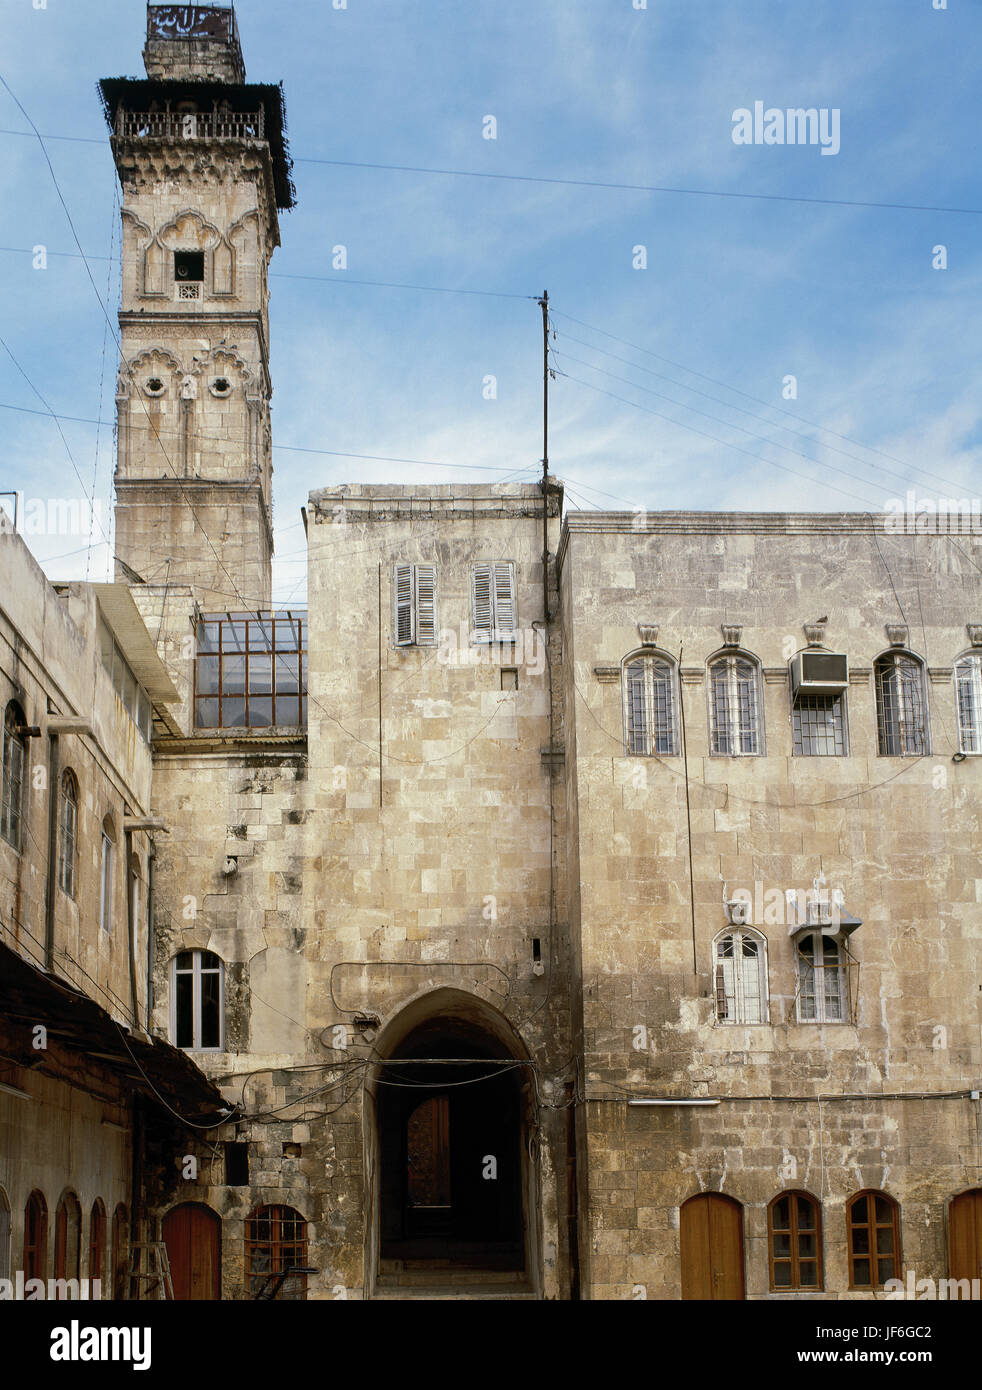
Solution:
(450, 1122)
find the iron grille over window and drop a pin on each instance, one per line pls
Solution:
(734, 706)
(251, 671)
(819, 726)
(968, 695)
(823, 988)
(67, 833)
(901, 708)
(794, 1227)
(276, 1240)
(650, 706)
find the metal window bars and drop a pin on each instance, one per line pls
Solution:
(901, 707)
(734, 707)
(650, 706)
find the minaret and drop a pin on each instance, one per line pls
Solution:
(204, 169)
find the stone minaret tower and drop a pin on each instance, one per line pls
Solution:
(204, 170)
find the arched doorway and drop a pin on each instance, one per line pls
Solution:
(711, 1241)
(452, 1112)
(193, 1236)
(965, 1235)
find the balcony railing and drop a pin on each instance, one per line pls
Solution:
(191, 125)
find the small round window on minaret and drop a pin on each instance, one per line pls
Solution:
(221, 386)
(154, 386)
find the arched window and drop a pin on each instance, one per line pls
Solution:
(794, 1242)
(823, 986)
(14, 758)
(4, 1236)
(106, 874)
(873, 1221)
(741, 977)
(121, 1251)
(276, 1241)
(651, 705)
(68, 832)
(968, 701)
(97, 1244)
(901, 705)
(35, 1236)
(198, 1001)
(68, 1243)
(735, 706)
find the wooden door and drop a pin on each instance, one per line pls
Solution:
(428, 1153)
(965, 1236)
(193, 1236)
(711, 1237)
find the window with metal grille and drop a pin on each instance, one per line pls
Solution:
(968, 700)
(873, 1221)
(823, 985)
(276, 1241)
(414, 605)
(68, 1241)
(198, 1001)
(734, 707)
(741, 978)
(67, 832)
(250, 670)
(794, 1238)
(12, 779)
(494, 613)
(650, 706)
(901, 705)
(819, 726)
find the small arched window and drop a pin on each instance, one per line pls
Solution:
(68, 1244)
(873, 1221)
(106, 874)
(97, 1244)
(735, 706)
(794, 1242)
(968, 701)
(276, 1242)
(12, 779)
(901, 705)
(198, 1001)
(651, 705)
(35, 1236)
(741, 977)
(68, 832)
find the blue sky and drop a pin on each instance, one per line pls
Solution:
(738, 294)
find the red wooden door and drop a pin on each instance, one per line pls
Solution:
(965, 1236)
(711, 1239)
(193, 1236)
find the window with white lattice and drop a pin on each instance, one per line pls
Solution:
(741, 977)
(968, 702)
(414, 605)
(735, 707)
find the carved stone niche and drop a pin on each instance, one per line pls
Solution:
(814, 633)
(897, 634)
(648, 633)
(607, 675)
(731, 635)
(974, 631)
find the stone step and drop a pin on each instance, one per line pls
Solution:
(505, 1293)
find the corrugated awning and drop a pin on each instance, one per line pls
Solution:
(135, 642)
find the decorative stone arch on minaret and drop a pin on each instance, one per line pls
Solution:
(136, 245)
(189, 230)
(147, 389)
(247, 249)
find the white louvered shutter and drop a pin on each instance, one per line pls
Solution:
(404, 605)
(505, 620)
(426, 603)
(481, 603)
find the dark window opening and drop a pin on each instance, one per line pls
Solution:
(189, 265)
(236, 1165)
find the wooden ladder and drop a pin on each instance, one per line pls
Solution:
(154, 1281)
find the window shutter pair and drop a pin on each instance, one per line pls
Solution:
(494, 611)
(415, 605)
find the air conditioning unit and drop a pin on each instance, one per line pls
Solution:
(819, 673)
